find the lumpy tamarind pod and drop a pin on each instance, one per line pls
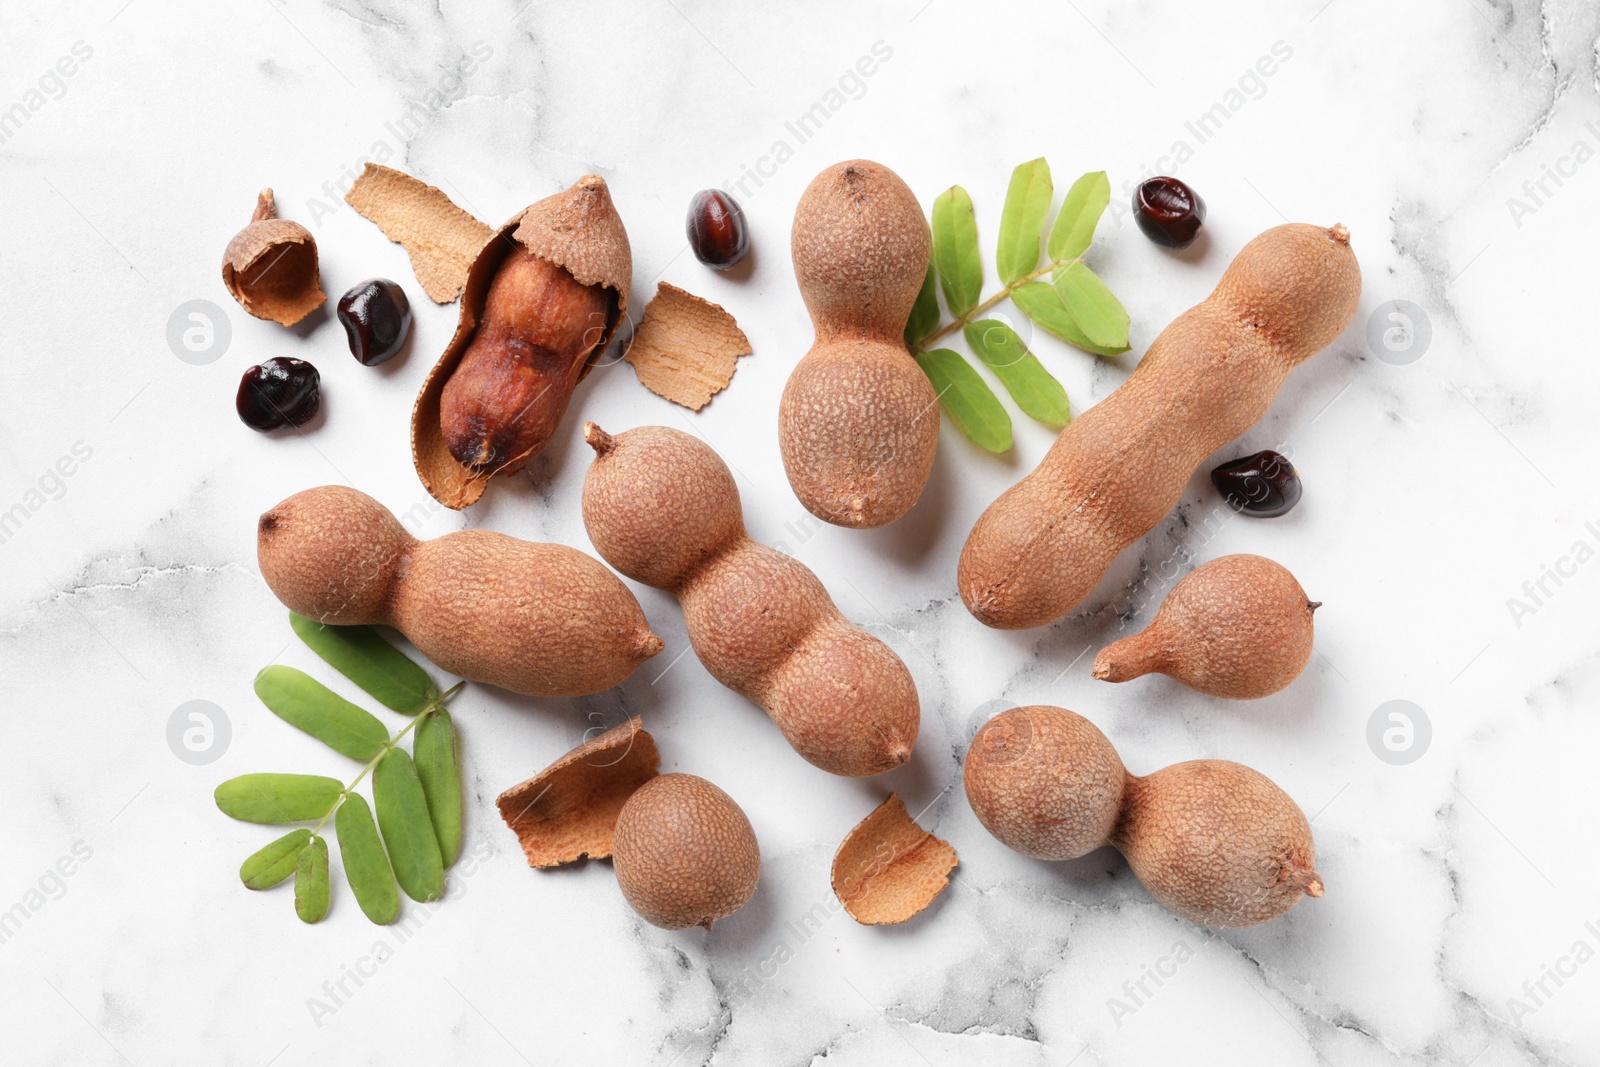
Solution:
(1237, 627)
(1214, 842)
(858, 424)
(546, 294)
(540, 326)
(1119, 468)
(541, 619)
(662, 508)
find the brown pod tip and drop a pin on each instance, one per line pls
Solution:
(1340, 232)
(270, 266)
(1125, 660)
(598, 439)
(1309, 881)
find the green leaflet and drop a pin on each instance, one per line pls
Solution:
(1030, 385)
(955, 250)
(407, 829)
(311, 882)
(1022, 218)
(968, 399)
(925, 312)
(1098, 313)
(366, 866)
(273, 863)
(1042, 304)
(302, 701)
(1079, 215)
(278, 798)
(361, 655)
(434, 753)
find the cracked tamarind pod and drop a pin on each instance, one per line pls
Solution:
(541, 302)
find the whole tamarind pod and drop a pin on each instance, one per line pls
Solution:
(541, 619)
(1119, 468)
(1237, 627)
(859, 421)
(1213, 841)
(662, 508)
(541, 302)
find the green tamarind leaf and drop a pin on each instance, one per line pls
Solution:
(1079, 215)
(366, 865)
(363, 656)
(1098, 313)
(278, 798)
(1042, 304)
(311, 882)
(969, 400)
(1030, 385)
(1022, 218)
(925, 312)
(302, 701)
(438, 769)
(407, 827)
(274, 862)
(955, 250)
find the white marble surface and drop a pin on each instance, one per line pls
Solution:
(1435, 490)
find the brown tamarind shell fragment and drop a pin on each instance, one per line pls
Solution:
(569, 810)
(889, 868)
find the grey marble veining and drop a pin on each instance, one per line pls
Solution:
(1451, 525)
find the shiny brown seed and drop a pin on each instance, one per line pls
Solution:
(717, 231)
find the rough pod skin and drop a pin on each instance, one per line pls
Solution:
(534, 618)
(1237, 627)
(662, 508)
(1214, 842)
(684, 852)
(859, 420)
(1121, 466)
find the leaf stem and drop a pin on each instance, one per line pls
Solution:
(433, 705)
(1005, 293)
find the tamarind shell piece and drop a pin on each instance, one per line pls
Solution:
(888, 868)
(270, 266)
(577, 229)
(442, 240)
(569, 810)
(686, 348)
